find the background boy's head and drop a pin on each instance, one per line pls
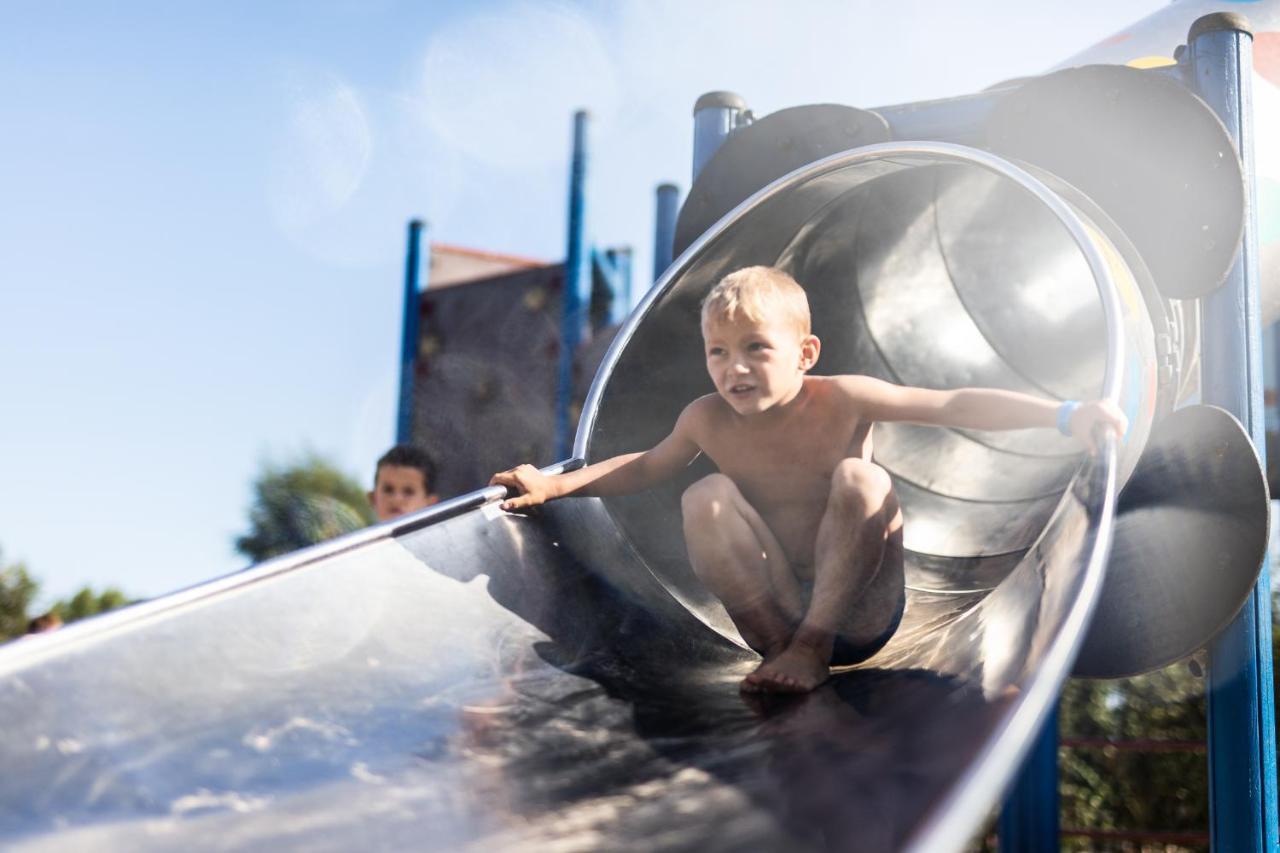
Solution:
(402, 482)
(758, 295)
(46, 622)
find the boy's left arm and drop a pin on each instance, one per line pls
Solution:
(981, 408)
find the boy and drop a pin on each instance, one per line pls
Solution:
(799, 534)
(44, 623)
(402, 482)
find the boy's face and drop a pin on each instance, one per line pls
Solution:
(756, 366)
(399, 490)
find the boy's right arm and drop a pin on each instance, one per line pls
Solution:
(620, 475)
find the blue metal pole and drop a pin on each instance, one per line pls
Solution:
(576, 292)
(664, 228)
(1029, 817)
(409, 334)
(1242, 750)
(620, 280)
(715, 116)
(612, 269)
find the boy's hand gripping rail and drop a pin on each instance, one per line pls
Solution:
(472, 500)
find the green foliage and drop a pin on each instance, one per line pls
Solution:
(1113, 787)
(299, 505)
(1118, 787)
(17, 590)
(88, 603)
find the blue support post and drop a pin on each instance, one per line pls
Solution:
(576, 293)
(619, 278)
(1242, 750)
(1029, 817)
(409, 332)
(715, 116)
(610, 283)
(664, 228)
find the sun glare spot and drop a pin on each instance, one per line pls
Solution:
(512, 110)
(322, 154)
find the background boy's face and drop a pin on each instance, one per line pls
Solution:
(399, 490)
(756, 365)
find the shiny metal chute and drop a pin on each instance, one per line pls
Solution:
(465, 681)
(999, 587)
(876, 237)
(944, 277)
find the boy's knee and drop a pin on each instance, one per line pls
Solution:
(857, 480)
(707, 497)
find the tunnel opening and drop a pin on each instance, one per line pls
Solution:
(923, 270)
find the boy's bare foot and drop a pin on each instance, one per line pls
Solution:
(798, 669)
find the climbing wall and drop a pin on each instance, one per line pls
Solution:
(485, 388)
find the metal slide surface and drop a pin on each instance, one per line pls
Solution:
(467, 679)
(470, 685)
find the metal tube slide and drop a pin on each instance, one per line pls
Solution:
(466, 677)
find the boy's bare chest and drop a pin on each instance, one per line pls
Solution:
(792, 462)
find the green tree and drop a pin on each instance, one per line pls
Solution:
(1155, 776)
(301, 504)
(88, 603)
(17, 590)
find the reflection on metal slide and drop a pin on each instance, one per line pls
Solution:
(470, 679)
(471, 685)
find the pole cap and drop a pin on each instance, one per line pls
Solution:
(722, 100)
(1219, 22)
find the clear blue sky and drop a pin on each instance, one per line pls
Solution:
(202, 212)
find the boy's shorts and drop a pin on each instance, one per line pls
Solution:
(844, 653)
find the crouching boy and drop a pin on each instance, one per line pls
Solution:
(799, 534)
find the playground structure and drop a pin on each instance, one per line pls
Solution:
(486, 361)
(585, 692)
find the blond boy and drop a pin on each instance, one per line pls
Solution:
(799, 534)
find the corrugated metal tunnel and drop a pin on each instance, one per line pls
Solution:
(924, 270)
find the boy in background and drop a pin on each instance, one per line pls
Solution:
(402, 482)
(799, 534)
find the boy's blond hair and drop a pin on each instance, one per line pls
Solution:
(758, 294)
